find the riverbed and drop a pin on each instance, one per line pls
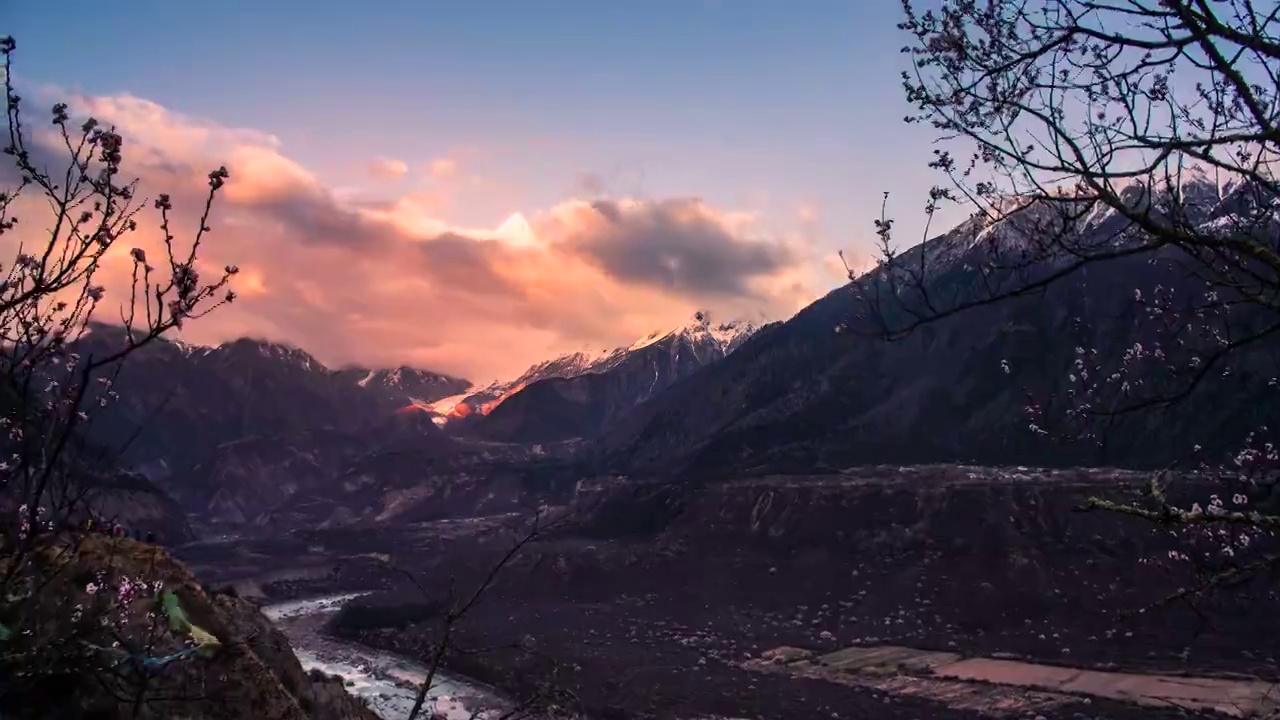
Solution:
(387, 682)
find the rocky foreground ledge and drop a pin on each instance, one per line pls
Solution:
(253, 673)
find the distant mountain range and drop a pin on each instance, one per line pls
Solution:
(179, 397)
(180, 406)
(258, 432)
(239, 429)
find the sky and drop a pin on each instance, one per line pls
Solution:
(664, 157)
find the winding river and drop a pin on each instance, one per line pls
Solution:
(388, 682)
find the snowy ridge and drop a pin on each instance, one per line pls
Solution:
(1020, 229)
(727, 336)
(188, 349)
(647, 340)
(402, 378)
(416, 387)
(698, 333)
(416, 390)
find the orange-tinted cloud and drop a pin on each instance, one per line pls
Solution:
(394, 282)
(384, 168)
(442, 168)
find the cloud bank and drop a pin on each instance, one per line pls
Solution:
(385, 282)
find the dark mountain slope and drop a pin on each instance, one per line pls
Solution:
(228, 430)
(807, 396)
(401, 384)
(583, 406)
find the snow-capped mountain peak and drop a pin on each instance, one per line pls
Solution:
(733, 333)
(1024, 230)
(727, 335)
(413, 386)
(647, 340)
(699, 340)
(271, 351)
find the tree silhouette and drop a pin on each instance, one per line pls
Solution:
(1126, 133)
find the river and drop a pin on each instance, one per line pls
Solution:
(388, 682)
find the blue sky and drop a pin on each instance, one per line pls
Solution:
(752, 104)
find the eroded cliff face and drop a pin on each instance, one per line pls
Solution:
(320, 697)
(957, 508)
(250, 673)
(989, 557)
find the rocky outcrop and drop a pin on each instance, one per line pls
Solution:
(249, 672)
(320, 697)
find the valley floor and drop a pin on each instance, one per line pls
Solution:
(675, 625)
(663, 661)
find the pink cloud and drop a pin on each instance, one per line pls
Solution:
(384, 168)
(395, 282)
(262, 176)
(442, 168)
(807, 213)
